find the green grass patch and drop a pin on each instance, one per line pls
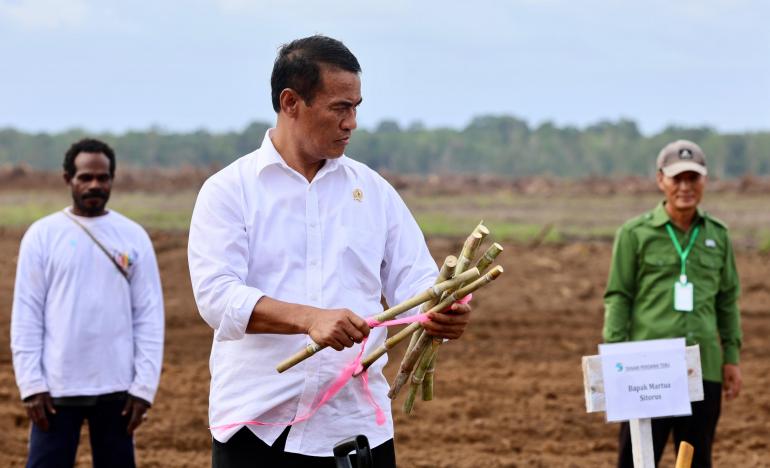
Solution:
(510, 217)
(153, 211)
(590, 232)
(24, 215)
(764, 241)
(165, 220)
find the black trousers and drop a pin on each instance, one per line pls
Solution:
(698, 430)
(111, 446)
(245, 450)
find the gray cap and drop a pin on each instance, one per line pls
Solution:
(681, 156)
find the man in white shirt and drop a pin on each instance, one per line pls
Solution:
(296, 243)
(87, 321)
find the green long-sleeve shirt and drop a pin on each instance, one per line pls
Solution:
(639, 300)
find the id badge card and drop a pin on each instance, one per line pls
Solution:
(683, 295)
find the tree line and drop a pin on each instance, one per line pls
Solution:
(501, 145)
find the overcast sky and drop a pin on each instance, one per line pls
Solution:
(189, 64)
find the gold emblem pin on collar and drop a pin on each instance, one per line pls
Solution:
(358, 194)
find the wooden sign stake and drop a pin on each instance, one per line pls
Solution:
(684, 458)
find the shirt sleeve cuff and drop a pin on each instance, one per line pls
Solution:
(731, 355)
(142, 391)
(33, 389)
(236, 317)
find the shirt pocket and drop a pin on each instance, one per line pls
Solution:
(706, 272)
(360, 259)
(710, 262)
(658, 268)
(658, 261)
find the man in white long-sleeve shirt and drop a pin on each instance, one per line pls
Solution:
(296, 243)
(87, 321)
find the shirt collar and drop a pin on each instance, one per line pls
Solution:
(660, 216)
(268, 156)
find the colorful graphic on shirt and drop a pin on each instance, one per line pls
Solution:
(124, 259)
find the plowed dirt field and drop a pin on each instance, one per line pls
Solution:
(508, 393)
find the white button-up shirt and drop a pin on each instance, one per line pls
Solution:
(340, 241)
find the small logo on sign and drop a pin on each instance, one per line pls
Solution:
(358, 194)
(619, 367)
(685, 154)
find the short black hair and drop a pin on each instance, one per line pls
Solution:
(87, 145)
(298, 66)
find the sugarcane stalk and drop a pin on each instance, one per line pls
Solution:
(433, 292)
(409, 329)
(413, 340)
(489, 256)
(446, 272)
(466, 255)
(429, 294)
(419, 375)
(471, 245)
(409, 402)
(445, 302)
(478, 233)
(427, 383)
(408, 363)
(412, 327)
(481, 229)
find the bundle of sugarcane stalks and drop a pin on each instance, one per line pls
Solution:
(456, 280)
(419, 363)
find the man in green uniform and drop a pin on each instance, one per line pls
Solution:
(673, 275)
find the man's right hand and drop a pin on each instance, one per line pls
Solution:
(37, 405)
(337, 328)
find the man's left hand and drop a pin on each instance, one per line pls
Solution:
(136, 409)
(732, 380)
(449, 323)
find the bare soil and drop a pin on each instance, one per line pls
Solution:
(508, 393)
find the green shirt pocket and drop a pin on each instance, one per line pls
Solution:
(656, 275)
(660, 261)
(705, 271)
(711, 262)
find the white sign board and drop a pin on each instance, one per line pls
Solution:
(645, 379)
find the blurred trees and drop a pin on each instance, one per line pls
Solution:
(502, 145)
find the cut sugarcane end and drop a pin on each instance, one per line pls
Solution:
(495, 272)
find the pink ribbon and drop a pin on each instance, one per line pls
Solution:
(345, 375)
